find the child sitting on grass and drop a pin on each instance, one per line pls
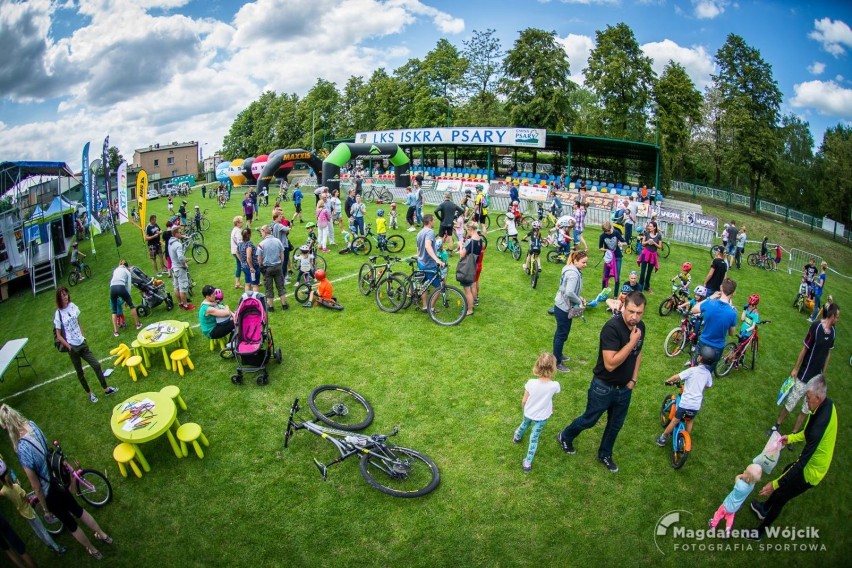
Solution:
(537, 404)
(743, 486)
(324, 292)
(695, 380)
(632, 285)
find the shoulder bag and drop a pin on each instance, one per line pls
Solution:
(58, 344)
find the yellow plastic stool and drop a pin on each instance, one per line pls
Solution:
(124, 454)
(122, 352)
(221, 341)
(173, 392)
(132, 363)
(188, 329)
(191, 432)
(180, 357)
(138, 349)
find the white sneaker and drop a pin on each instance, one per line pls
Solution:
(92, 397)
(411, 229)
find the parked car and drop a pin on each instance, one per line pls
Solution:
(152, 193)
(168, 189)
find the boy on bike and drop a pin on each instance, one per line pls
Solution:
(534, 238)
(381, 230)
(76, 255)
(695, 380)
(684, 279)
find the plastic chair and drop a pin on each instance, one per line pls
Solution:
(220, 341)
(180, 357)
(138, 349)
(173, 392)
(191, 433)
(123, 454)
(131, 363)
(122, 352)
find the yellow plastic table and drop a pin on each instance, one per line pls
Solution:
(164, 416)
(161, 334)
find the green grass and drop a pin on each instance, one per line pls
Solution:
(455, 395)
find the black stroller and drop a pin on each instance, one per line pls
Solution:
(153, 292)
(252, 344)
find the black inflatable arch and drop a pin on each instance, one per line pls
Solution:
(277, 159)
(345, 152)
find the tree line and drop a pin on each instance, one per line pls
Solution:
(732, 135)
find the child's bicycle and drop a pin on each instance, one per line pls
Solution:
(512, 244)
(761, 261)
(677, 339)
(205, 221)
(397, 471)
(533, 270)
(557, 256)
(545, 217)
(634, 247)
(681, 441)
(90, 485)
(446, 305)
(734, 354)
(79, 273)
(364, 243)
(370, 275)
(678, 297)
(806, 290)
(525, 222)
(303, 293)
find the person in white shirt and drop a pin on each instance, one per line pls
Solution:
(119, 287)
(695, 380)
(537, 404)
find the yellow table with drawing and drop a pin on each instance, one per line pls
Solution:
(143, 418)
(162, 334)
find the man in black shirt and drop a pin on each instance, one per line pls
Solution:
(718, 269)
(446, 213)
(619, 359)
(152, 236)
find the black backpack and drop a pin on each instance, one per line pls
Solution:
(57, 470)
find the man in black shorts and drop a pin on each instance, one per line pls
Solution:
(446, 213)
(152, 236)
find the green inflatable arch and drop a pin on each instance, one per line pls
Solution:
(345, 152)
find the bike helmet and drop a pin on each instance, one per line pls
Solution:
(754, 299)
(393, 205)
(310, 225)
(467, 192)
(218, 295)
(319, 274)
(536, 224)
(304, 248)
(707, 354)
(515, 203)
(75, 244)
(686, 266)
(380, 213)
(701, 291)
(439, 245)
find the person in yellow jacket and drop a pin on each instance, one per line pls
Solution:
(819, 435)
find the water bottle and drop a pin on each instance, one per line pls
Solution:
(355, 441)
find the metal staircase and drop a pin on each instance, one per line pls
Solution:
(42, 266)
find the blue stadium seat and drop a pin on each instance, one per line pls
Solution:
(618, 186)
(514, 174)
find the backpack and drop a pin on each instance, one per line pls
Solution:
(486, 201)
(57, 472)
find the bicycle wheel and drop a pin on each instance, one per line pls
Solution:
(752, 356)
(666, 306)
(390, 294)
(198, 237)
(501, 220)
(667, 410)
(534, 272)
(385, 195)
(727, 360)
(94, 488)
(753, 259)
(502, 243)
(526, 223)
(484, 241)
(205, 224)
(73, 278)
(87, 270)
(395, 243)
(340, 407)
(675, 342)
(555, 257)
(362, 245)
(682, 447)
(400, 472)
(447, 306)
(200, 254)
(366, 277)
(319, 263)
(769, 264)
(546, 222)
(665, 250)
(302, 293)
(54, 526)
(516, 250)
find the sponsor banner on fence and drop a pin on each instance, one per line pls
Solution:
(448, 185)
(701, 220)
(484, 136)
(533, 192)
(670, 215)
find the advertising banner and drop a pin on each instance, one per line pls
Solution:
(448, 185)
(121, 176)
(463, 136)
(87, 183)
(142, 197)
(533, 192)
(670, 215)
(704, 221)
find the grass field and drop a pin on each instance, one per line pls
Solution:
(455, 394)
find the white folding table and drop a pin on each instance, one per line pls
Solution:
(14, 351)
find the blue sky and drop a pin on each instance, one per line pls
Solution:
(159, 71)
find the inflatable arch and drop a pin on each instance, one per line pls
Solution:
(278, 161)
(247, 170)
(345, 152)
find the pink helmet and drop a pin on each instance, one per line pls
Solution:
(218, 295)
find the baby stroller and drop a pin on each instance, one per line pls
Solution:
(153, 292)
(252, 344)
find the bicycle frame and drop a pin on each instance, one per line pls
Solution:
(679, 454)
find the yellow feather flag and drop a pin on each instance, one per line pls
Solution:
(142, 198)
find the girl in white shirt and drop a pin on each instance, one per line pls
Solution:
(537, 404)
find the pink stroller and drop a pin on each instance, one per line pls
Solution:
(252, 343)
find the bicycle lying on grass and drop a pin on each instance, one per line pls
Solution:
(397, 471)
(90, 485)
(734, 354)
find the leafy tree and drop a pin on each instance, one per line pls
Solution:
(114, 158)
(834, 164)
(794, 180)
(536, 84)
(678, 111)
(622, 77)
(320, 111)
(353, 108)
(438, 85)
(750, 103)
(584, 102)
(484, 55)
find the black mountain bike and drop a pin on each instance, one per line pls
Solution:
(397, 471)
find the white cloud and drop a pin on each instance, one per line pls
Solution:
(708, 9)
(834, 35)
(578, 48)
(827, 97)
(696, 60)
(816, 68)
(592, 2)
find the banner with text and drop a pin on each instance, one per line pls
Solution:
(463, 136)
(121, 174)
(142, 198)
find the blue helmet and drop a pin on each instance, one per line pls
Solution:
(380, 213)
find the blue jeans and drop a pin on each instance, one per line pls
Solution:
(418, 213)
(563, 328)
(816, 307)
(359, 225)
(615, 401)
(537, 426)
